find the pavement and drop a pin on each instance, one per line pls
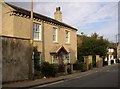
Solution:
(38, 82)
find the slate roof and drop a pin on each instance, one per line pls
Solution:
(112, 45)
(36, 15)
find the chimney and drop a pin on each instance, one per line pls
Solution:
(58, 14)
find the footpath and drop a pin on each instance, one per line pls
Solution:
(38, 82)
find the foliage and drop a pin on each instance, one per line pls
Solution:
(48, 69)
(77, 65)
(93, 45)
(38, 74)
(36, 59)
(80, 66)
(61, 68)
(84, 67)
(68, 70)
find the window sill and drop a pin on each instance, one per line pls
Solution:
(55, 42)
(37, 40)
(67, 43)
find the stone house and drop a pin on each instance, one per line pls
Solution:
(55, 40)
(112, 53)
(79, 38)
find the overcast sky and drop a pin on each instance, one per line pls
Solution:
(87, 17)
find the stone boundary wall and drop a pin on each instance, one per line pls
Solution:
(88, 61)
(16, 57)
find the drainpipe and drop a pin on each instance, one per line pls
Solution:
(43, 43)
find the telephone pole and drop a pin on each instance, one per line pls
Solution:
(31, 41)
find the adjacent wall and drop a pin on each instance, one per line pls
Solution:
(16, 55)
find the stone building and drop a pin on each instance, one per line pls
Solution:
(55, 40)
(112, 53)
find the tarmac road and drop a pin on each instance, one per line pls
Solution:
(103, 77)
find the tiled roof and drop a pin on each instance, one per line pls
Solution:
(56, 49)
(36, 15)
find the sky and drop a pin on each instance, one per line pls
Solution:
(88, 16)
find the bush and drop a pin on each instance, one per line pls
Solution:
(90, 66)
(61, 68)
(36, 59)
(37, 74)
(48, 69)
(78, 66)
(68, 70)
(84, 67)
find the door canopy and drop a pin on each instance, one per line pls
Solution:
(59, 49)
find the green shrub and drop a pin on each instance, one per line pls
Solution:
(84, 67)
(48, 69)
(68, 70)
(36, 59)
(78, 66)
(61, 68)
(37, 74)
(90, 66)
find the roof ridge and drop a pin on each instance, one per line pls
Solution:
(37, 15)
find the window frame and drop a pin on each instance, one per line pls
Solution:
(54, 59)
(55, 34)
(36, 31)
(67, 36)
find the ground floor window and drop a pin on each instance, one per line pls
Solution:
(54, 59)
(67, 58)
(60, 59)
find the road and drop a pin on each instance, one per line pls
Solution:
(102, 77)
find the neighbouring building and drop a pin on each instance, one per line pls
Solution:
(118, 51)
(55, 40)
(79, 38)
(112, 53)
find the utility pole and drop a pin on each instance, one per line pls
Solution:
(31, 40)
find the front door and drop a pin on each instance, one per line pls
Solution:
(60, 58)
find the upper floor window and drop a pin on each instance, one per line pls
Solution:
(54, 34)
(111, 50)
(67, 36)
(36, 31)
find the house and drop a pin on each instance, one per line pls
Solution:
(79, 38)
(112, 53)
(55, 40)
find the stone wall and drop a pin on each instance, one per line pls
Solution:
(16, 59)
(99, 61)
(88, 61)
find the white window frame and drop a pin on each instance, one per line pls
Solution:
(68, 57)
(54, 34)
(38, 31)
(54, 59)
(67, 36)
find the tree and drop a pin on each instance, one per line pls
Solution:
(92, 45)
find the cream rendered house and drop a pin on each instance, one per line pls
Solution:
(55, 40)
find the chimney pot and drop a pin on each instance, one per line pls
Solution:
(58, 14)
(57, 8)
